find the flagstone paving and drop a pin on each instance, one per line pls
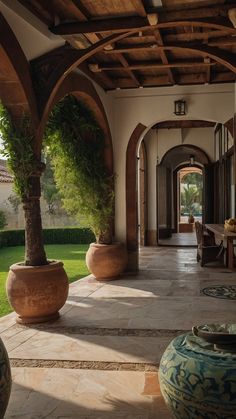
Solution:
(100, 359)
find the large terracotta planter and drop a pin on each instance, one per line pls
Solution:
(106, 261)
(198, 381)
(5, 380)
(37, 292)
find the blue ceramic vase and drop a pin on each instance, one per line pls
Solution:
(197, 381)
(5, 379)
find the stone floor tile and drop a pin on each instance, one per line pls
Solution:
(61, 393)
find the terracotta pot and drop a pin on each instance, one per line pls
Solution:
(37, 292)
(106, 261)
(191, 219)
(5, 380)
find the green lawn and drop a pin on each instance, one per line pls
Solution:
(73, 256)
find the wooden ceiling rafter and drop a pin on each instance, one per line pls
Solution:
(163, 55)
(101, 79)
(169, 45)
(121, 24)
(95, 68)
(214, 11)
(218, 55)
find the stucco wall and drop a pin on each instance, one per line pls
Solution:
(149, 106)
(33, 35)
(200, 137)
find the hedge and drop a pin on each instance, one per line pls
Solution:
(50, 236)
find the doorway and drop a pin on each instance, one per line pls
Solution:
(190, 198)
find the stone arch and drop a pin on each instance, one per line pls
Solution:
(81, 88)
(186, 149)
(16, 92)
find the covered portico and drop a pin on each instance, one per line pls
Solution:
(129, 62)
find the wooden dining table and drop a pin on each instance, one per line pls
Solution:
(228, 237)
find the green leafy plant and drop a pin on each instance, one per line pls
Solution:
(188, 197)
(3, 219)
(77, 145)
(50, 191)
(18, 149)
(14, 201)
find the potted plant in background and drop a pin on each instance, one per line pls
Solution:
(36, 288)
(76, 144)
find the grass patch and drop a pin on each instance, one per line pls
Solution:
(73, 256)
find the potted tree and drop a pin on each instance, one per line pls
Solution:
(76, 144)
(36, 288)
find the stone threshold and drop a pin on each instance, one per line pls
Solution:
(83, 365)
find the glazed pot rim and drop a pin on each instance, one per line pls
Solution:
(18, 266)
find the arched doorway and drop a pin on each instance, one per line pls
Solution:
(178, 162)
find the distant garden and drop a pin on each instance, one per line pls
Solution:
(191, 194)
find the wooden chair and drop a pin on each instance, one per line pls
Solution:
(207, 249)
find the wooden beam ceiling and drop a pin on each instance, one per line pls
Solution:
(159, 46)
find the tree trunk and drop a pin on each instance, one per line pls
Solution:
(34, 250)
(105, 237)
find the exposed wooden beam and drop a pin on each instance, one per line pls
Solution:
(208, 69)
(98, 26)
(95, 68)
(100, 78)
(121, 24)
(184, 124)
(135, 48)
(197, 36)
(225, 58)
(224, 41)
(152, 46)
(163, 55)
(126, 66)
(181, 79)
(215, 11)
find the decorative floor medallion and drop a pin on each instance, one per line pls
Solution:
(221, 291)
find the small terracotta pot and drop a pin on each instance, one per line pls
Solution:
(5, 379)
(37, 292)
(106, 261)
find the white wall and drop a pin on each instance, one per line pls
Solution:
(200, 137)
(33, 36)
(152, 105)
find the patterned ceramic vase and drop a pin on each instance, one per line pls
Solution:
(5, 380)
(197, 381)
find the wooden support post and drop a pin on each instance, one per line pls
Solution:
(234, 163)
